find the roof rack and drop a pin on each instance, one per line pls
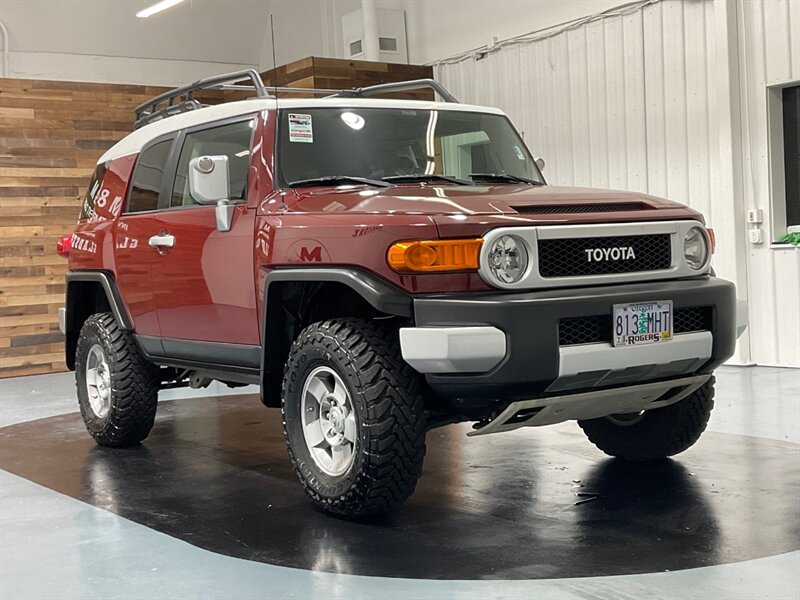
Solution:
(148, 112)
(398, 86)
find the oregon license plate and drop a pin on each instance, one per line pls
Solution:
(642, 323)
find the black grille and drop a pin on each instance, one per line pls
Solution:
(568, 257)
(580, 208)
(584, 330)
(597, 328)
(697, 318)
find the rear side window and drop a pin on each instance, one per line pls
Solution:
(87, 208)
(148, 176)
(231, 140)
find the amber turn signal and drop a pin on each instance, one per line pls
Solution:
(713, 237)
(435, 256)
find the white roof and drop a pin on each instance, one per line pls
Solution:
(133, 142)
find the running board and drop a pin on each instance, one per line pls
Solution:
(591, 405)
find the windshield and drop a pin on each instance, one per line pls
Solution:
(378, 143)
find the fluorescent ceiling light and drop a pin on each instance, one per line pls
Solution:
(157, 8)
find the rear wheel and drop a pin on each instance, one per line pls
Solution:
(353, 417)
(655, 433)
(117, 387)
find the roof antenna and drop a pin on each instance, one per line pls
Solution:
(274, 60)
(283, 206)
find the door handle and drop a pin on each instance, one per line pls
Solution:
(162, 241)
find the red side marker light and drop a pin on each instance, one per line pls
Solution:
(713, 237)
(63, 245)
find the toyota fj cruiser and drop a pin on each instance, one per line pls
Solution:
(380, 268)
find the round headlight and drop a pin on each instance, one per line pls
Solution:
(695, 248)
(508, 259)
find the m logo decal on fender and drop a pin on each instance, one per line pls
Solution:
(315, 254)
(306, 251)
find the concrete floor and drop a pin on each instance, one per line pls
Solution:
(54, 546)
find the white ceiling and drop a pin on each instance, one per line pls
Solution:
(231, 31)
(103, 40)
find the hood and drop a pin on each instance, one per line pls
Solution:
(539, 203)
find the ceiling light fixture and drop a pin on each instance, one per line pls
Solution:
(157, 8)
(353, 120)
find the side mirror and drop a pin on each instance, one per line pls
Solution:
(209, 179)
(540, 163)
(209, 183)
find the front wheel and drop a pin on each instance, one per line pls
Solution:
(655, 433)
(117, 387)
(353, 417)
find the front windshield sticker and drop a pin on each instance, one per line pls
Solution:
(518, 152)
(300, 128)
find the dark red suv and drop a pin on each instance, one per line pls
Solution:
(381, 268)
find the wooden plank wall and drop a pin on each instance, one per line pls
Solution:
(51, 134)
(338, 74)
(332, 73)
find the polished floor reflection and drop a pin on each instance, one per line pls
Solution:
(532, 504)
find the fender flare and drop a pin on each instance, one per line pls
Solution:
(72, 312)
(383, 296)
(109, 286)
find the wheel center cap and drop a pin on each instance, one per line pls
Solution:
(337, 419)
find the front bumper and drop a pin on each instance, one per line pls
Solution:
(458, 342)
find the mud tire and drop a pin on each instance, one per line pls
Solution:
(134, 384)
(386, 395)
(658, 433)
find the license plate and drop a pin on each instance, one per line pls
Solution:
(640, 323)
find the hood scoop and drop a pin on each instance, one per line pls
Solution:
(554, 209)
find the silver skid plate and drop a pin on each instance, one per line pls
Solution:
(592, 405)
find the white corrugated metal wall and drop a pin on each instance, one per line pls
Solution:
(633, 102)
(769, 54)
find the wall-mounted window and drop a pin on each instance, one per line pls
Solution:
(783, 103)
(791, 153)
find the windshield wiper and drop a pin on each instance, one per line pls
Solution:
(505, 178)
(426, 177)
(336, 180)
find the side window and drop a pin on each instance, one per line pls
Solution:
(87, 208)
(232, 141)
(148, 176)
